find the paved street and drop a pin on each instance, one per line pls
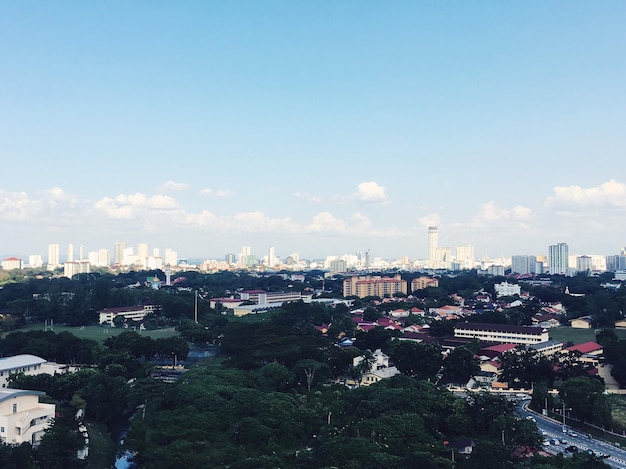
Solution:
(552, 432)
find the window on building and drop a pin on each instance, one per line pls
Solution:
(14, 408)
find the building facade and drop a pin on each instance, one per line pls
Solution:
(558, 259)
(374, 286)
(23, 419)
(501, 333)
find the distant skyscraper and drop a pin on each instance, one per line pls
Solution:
(171, 257)
(118, 253)
(558, 258)
(433, 243)
(230, 258)
(271, 257)
(465, 256)
(35, 261)
(244, 256)
(53, 256)
(617, 262)
(70, 253)
(142, 254)
(584, 264)
(524, 264)
(104, 257)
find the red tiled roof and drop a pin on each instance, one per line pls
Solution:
(586, 347)
(501, 348)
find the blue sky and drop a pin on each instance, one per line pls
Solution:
(320, 127)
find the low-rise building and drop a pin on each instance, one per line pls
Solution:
(584, 322)
(374, 286)
(501, 333)
(23, 419)
(27, 364)
(507, 289)
(133, 313)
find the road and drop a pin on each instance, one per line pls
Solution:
(552, 430)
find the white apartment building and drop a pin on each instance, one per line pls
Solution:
(76, 267)
(11, 263)
(54, 259)
(171, 257)
(507, 289)
(524, 264)
(35, 261)
(23, 419)
(465, 257)
(502, 333)
(558, 259)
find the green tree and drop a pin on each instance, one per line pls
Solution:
(418, 360)
(460, 365)
(586, 398)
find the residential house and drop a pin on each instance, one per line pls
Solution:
(584, 322)
(378, 369)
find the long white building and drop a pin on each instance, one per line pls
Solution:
(501, 333)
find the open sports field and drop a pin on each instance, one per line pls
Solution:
(99, 333)
(579, 336)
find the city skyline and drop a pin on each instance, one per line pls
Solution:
(557, 258)
(320, 128)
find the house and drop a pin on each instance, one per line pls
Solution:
(23, 419)
(463, 446)
(379, 368)
(584, 322)
(545, 320)
(587, 348)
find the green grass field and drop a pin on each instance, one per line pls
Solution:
(100, 334)
(578, 336)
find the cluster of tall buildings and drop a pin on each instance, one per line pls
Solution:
(441, 257)
(140, 257)
(76, 262)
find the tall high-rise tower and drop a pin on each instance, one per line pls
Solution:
(118, 253)
(70, 253)
(53, 256)
(433, 242)
(558, 258)
(271, 257)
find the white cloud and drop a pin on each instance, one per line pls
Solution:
(172, 186)
(489, 212)
(39, 206)
(608, 194)
(325, 222)
(134, 205)
(222, 194)
(371, 192)
(309, 197)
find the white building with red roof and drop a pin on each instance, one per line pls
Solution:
(11, 263)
